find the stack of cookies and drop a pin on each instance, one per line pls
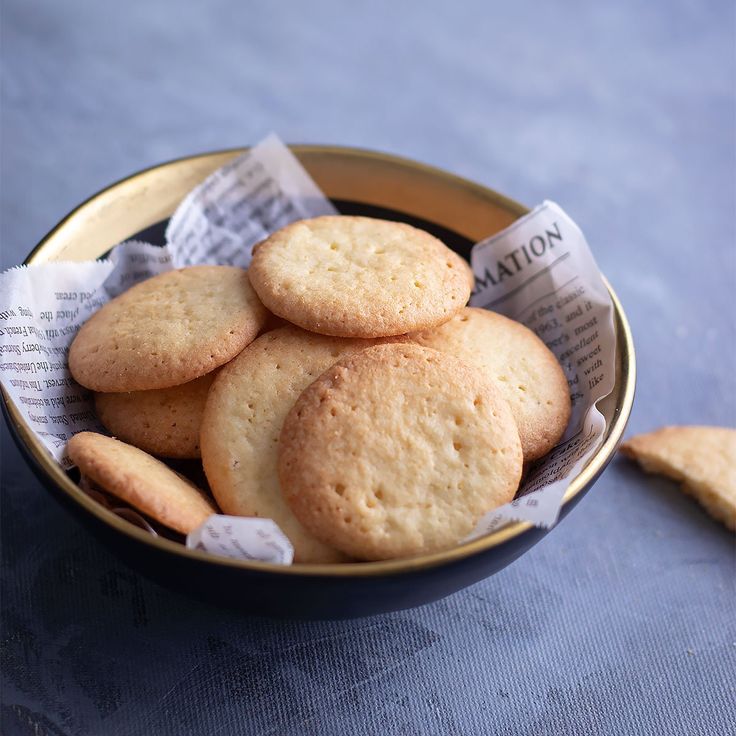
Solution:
(382, 419)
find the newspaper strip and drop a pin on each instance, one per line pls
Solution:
(241, 204)
(243, 538)
(540, 271)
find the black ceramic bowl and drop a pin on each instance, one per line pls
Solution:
(358, 182)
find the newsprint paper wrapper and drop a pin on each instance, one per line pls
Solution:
(538, 271)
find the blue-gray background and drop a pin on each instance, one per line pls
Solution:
(622, 620)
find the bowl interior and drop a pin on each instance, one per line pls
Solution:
(359, 182)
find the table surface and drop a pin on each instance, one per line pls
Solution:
(619, 622)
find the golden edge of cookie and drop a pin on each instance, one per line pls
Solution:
(311, 516)
(87, 451)
(356, 332)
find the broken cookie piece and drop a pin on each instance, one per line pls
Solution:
(703, 459)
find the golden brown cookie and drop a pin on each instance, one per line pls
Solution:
(703, 459)
(398, 450)
(359, 277)
(162, 421)
(140, 480)
(167, 330)
(242, 422)
(524, 368)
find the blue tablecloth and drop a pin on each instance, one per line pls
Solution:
(622, 620)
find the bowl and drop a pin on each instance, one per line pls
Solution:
(359, 182)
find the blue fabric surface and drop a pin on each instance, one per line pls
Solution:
(622, 620)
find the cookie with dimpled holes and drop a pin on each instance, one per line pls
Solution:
(398, 450)
(526, 371)
(242, 421)
(359, 277)
(167, 330)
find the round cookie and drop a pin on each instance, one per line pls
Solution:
(398, 450)
(242, 421)
(167, 330)
(162, 421)
(359, 277)
(526, 371)
(140, 480)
